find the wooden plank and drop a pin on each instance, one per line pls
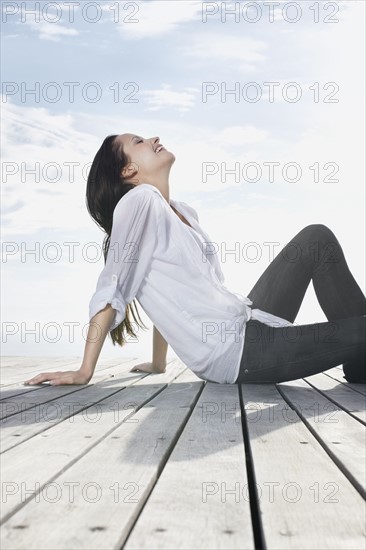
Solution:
(123, 467)
(19, 404)
(48, 394)
(343, 437)
(198, 500)
(338, 375)
(19, 388)
(15, 379)
(353, 402)
(64, 443)
(26, 366)
(28, 360)
(27, 423)
(298, 484)
(104, 370)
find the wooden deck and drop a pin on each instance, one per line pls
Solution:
(166, 461)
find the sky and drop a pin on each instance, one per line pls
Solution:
(261, 102)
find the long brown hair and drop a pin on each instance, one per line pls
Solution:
(105, 187)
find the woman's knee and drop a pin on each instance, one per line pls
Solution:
(310, 244)
(317, 230)
(317, 233)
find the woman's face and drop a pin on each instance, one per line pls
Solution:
(147, 157)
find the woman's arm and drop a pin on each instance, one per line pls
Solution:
(97, 332)
(160, 348)
(158, 365)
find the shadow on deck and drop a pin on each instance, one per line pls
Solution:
(168, 461)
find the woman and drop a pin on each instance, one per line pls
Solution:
(156, 251)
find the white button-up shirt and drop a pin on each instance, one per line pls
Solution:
(174, 273)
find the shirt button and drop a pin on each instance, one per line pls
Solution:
(114, 278)
(246, 371)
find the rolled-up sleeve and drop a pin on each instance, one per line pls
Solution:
(132, 243)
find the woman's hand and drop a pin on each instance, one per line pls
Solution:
(61, 377)
(148, 367)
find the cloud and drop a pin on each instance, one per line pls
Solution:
(241, 135)
(51, 31)
(239, 51)
(166, 97)
(262, 197)
(37, 149)
(39, 127)
(157, 18)
(8, 209)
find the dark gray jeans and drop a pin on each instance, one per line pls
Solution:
(281, 354)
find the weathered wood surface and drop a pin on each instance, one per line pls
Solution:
(165, 461)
